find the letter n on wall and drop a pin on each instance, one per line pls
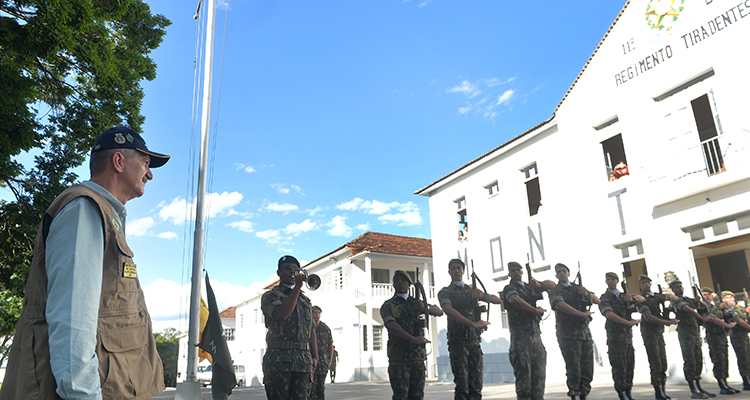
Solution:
(539, 243)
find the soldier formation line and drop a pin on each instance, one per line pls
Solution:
(300, 349)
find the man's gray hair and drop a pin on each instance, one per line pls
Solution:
(100, 158)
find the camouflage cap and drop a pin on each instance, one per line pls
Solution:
(726, 293)
(643, 278)
(707, 289)
(403, 274)
(611, 274)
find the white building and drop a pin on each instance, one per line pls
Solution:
(666, 93)
(356, 280)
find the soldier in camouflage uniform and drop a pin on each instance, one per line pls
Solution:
(617, 308)
(325, 355)
(573, 334)
(459, 301)
(291, 354)
(406, 341)
(652, 332)
(688, 332)
(527, 353)
(716, 337)
(738, 334)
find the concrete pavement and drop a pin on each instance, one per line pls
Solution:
(434, 390)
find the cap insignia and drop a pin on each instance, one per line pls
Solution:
(119, 139)
(130, 138)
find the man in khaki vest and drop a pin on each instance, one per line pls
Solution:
(85, 331)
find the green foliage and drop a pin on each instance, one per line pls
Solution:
(167, 345)
(69, 70)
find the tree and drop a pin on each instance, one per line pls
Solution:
(167, 345)
(69, 70)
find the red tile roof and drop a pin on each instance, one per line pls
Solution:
(230, 312)
(391, 244)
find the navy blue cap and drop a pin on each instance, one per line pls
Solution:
(121, 137)
(288, 259)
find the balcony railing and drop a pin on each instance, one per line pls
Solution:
(386, 290)
(712, 156)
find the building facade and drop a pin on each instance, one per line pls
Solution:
(644, 167)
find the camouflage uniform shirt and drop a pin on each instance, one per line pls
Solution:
(616, 332)
(569, 326)
(652, 305)
(688, 325)
(288, 341)
(459, 297)
(325, 341)
(402, 312)
(521, 322)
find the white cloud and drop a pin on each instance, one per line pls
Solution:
(244, 214)
(469, 89)
(216, 204)
(281, 207)
(370, 206)
(243, 226)
(168, 235)
(464, 110)
(245, 168)
(363, 227)
(168, 302)
(139, 227)
(339, 227)
(407, 215)
(350, 205)
(272, 236)
(505, 97)
(284, 189)
(295, 229)
(314, 211)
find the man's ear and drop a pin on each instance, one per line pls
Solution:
(118, 161)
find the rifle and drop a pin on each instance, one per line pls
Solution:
(585, 301)
(479, 309)
(703, 308)
(536, 296)
(726, 314)
(665, 311)
(421, 297)
(630, 309)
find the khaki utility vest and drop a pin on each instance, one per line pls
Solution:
(129, 365)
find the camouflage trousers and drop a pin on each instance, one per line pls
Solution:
(407, 380)
(529, 360)
(579, 364)
(622, 361)
(318, 387)
(287, 385)
(717, 349)
(467, 364)
(692, 356)
(741, 345)
(657, 358)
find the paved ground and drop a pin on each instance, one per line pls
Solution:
(444, 391)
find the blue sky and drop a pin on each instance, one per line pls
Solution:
(331, 114)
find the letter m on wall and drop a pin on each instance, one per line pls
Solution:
(538, 243)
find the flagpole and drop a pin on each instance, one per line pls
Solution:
(195, 291)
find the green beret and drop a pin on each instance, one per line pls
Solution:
(643, 278)
(726, 293)
(513, 264)
(612, 274)
(707, 289)
(403, 274)
(674, 282)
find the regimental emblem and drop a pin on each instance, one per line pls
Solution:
(663, 14)
(116, 224)
(130, 138)
(119, 139)
(129, 271)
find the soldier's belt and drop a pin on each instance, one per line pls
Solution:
(289, 345)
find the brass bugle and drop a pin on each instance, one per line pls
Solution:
(311, 280)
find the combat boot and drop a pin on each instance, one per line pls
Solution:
(575, 397)
(694, 392)
(745, 383)
(659, 393)
(622, 395)
(664, 392)
(629, 394)
(725, 389)
(698, 384)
